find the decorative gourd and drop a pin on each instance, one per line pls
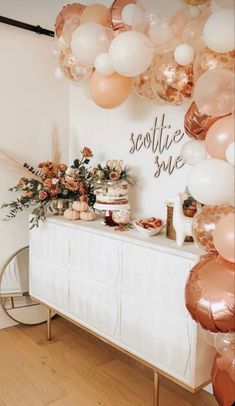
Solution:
(71, 214)
(80, 206)
(88, 215)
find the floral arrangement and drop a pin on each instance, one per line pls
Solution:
(51, 181)
(113, 171)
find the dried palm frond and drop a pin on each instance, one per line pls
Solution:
(56, 152)
(11, 164)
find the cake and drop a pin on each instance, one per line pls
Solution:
(111, 195)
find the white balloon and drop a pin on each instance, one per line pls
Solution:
(103, 64)
(230, 152)
(211, 182)
(88, 41)
(184, 54)
(194, 152)
(133, 15)
(219, 31)
(58, 73)
(131, 53)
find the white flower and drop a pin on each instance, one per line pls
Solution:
(69, 171)
(39, 187)
(54, 181)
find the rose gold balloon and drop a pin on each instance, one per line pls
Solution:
(209, 60)
(209, 294)
(224, 237)
(173, 82)
(214, 92)
(115, 15)
(144, 85)
(71, 68)
(197, 124)
(72, 11)
(204, 224)
(223, 380)
(219, 137)
(95, 13)
(110, 91)
(179, 20)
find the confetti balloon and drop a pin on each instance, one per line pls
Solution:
(223, 380)
(208, 60)
(71, 68)
(144, 85)
(197, 124)
(72, 12)
(209, 294)
(173, 83)
(204, 224)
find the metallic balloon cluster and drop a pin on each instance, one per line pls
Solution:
(137, 44)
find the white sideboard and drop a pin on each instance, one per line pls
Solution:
(126, 288)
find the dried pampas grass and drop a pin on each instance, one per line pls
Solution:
(9, 163)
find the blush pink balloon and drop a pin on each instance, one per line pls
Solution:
(224, 237)
(179, 20)
(219, 136)
(214, 92)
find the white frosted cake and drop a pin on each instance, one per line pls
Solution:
(112, 195)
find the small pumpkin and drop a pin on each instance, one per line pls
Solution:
(80, 206)
(88, 215)
(71, 214)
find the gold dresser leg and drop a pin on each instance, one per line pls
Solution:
(49, 324)
(156, 389)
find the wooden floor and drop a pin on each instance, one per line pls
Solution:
(77, 369)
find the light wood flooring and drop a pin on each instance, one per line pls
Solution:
(77, 369)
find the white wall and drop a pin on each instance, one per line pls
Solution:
(32, 101)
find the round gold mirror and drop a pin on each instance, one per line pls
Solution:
(14, 291)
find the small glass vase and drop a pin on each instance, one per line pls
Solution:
(59, 206)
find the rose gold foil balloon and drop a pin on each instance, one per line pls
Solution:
(209, 294)
(209, 60)
(214, 92)
(223, 380)
(111, 91)
(224, 237)
(95, 13)
(197, 124)
(219, 137)
(204, 224)
(115, 15)
(179, 21)
(72, 11)
(71, 68)
(173, 83)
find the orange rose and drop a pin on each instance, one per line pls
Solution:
(73, 186)
(29, 194)
(47, 183)
(87, 152)
(62, 167)
(83, 198)
(114, 175)
(42, 195)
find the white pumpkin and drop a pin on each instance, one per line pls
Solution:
(88, 215)
(80, 206)
(71, 214)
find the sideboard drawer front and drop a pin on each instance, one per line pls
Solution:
(95, 256)
(155, 277)
(50, 242)
(94, 303)
(161, 337)
(49, 282)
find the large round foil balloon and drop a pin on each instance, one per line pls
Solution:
(209, 294)
(223, 380)
(208, 60)
(71, 68)
(197, 124)
(173, 82)
(204, 224)
(72, 12)
(115, 15)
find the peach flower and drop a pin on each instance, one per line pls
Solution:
(114, 175)
(72, 185)
(42, 195)
(87, 152)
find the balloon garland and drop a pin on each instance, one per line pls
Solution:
(187, 56)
